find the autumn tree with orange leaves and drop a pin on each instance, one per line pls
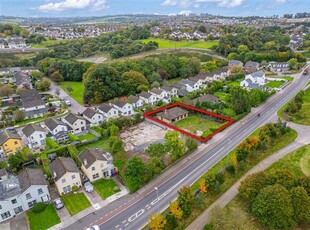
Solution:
(176, 210)
(157, 222)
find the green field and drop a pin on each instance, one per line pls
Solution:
(75, 203)
(78, 90)
(303, 115)
(274, 84)
(168, 44)
(105, 188)
(43, 220)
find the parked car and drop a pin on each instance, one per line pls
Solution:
(94, 227)
(88, 187)
(68, 102)
(58, 203)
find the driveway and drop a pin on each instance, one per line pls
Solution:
(18, 222)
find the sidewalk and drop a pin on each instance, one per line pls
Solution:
(302, 139)
(89, 211)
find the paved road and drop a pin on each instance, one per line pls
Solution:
(133, 211)
(302, 140)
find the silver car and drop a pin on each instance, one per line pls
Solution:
(58, 203)
(88, 187)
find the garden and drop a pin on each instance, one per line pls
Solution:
(74, 89)
(75, 202)
(106, 188)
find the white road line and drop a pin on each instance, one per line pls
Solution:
(126, 224)
(116, 226)
(148, 207)
(124, 221)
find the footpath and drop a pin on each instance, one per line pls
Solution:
(302, 140)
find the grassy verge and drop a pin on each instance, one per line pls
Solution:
(78, 90)
(43, 220)
(168, 44)
(274, 84)
(75, 203)
(105, 188)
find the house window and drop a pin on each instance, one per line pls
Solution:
(73, 177)
(32, 203)
(67, 189)
(15, 143)
(81, 122)
(0, 207)
(95, 176)
(41, 135)
(63, 181)
(5, 215)
(28, 196)
(40, 191)
(14, 201)
(18, 210)
(92, 168)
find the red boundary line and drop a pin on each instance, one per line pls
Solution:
(178, 104)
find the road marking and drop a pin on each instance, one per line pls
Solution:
(116, 226)
(148, 207)
(124, 221)
(136, 215)
(126, 224)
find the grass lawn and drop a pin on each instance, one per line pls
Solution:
(86, 137)
(168, 44)
(223, 96)
(274, 84)
(194, 123)
(43, 220)
(303, 115)
(75, 202)
(78, 90)
(48, 42)
(288, 78)
(105, 188)
(101, 144)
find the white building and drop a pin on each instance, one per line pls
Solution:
(161, 95)
(95, 118)
(135, 101)
(190, 86)
(58, 129)
(124, 108)
(35, 135)
(148, 98)
(108, 111)
(77, 123)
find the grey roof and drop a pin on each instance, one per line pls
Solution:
(177, 85)
(6, 134)
(90, 155)
(105, 108)
(252, 64)
(207, 97)
(9, 188)
(235, 62)
(89, 112)
(279, 65)
(171, 114)
(187, 82)
(119, 103)
(71, 118)
(30, 177)
(21, 78)
(3, 172)
(52, 123)
(156, 91)
(133, 99)
(219, 71)
(166, 87)
(61, 166)
(258, 74)
(31, 128)
(145, 94)
(254, 86)
(30, 98)
(182, 92)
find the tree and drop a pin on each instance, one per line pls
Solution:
(273, 207)
(202, 28)
(176, 210)
(43, 85)
(135, 171)
(70, 89)
(191, 143)
(293, 63)
(114, 130)
(132, 80)
(301, 204)
(36, 75)
(233, 56)
(282, 177)
(185, 196)
(157, 222)
(15, 160)
(6, 91)
(20, 115)
(156, 149)
(174, 144)
(239, 100)
(243, 48)
(57, 77)
(202, 187)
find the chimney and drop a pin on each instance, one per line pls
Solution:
(55, 174)
(85, 162)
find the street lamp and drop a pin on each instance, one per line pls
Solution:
(157, 199)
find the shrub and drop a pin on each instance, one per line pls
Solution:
(74, 188)
(38, 207)
(231, 169)
(51, 143)
(72, 137)
(116, 189)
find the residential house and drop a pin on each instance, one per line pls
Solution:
(148, 98)
(94, 117)
(22, 80)
(3, 174)
(124, 108)
(135, 101)
(16, 43)
(161, 95)
(181, 89)
(172, 115)
(279, 66)
(296, 41)
(254, 80)
(32, 103)
(77, 123)
(10, 143)
(108, 110)
(171, 90)
(35, 136)
(58, 130)
(220, 74)
(65, 174)
(251, 67)
(18, 194)
(97, 164)
(232, 63)
(190, 86)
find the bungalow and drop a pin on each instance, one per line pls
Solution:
(35, 136)
(77, 123)
(58, 129)
(190, 86)
(65, 174)
(161, 95)
(10, 143)
(96, 164)
(148, 98)
(251, 67)
(95, 118)
(108, 111)
(135, 101)
(32, 103)
(279, 66)
(173, 115)
(124, 108)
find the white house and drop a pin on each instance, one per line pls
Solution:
(190, 86)
(77, 123)
(108, 111)
(95, 118)
(171, 90)
(148, 98)
(279, 66)
(35, 135)
(161, 95)
(135, 101)
(32, 103)
(18, 194)
(124, 108)
(254, 80)
(58, 129)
